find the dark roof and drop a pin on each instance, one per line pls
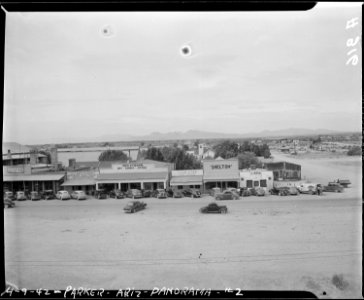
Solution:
(38, 177)
(133, 176)
(187, 180)
(79, 182)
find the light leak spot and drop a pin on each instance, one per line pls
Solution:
(186, 50)
(107, 31)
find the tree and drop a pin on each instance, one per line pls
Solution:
(154, 154)
(226, 149)
(247, 159)
(356, 150)
(47, 154)
(185, 147)
(112, 155)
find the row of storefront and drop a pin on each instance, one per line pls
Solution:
(146, 175)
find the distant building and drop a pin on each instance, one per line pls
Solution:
(256, 178)
(284, 170)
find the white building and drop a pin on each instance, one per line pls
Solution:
(256, 178)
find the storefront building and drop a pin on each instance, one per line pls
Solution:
(183, 179)
(142, 175)
(80, 181)
(221, 173)
(256, 178)
(33, 182)
(284, 170)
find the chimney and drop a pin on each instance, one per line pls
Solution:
(9, 157)
(54, 158)
(72, 163)
(33, 157)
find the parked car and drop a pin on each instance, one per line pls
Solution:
(193, 193)
(48, 195)
(214, 208)
(227, 195)
(282, 191)
(20, 196)
(253, 191)
(117, 194)
(334, 187)
(160, 194)
(293, 190)
(307, 188)
(35, 196)
(9, 203)
(344, 182)
(134, 206)
(177, 194)
(235, 190)
(63, 195)
(9, 195)
(244, 192)
(147, 193)
(101, 194)
(134, 194)
(214, 191)
(259, 191)
(78, 195)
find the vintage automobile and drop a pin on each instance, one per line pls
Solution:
(160, 194)
(9, 195)
(78, 195)
(8, 203)
(35, 196)
(177, 194)
(117, 194)
(193, 193)
(259, 191)
(244, 192)
(214, 208)
(281, 191)
(48, 195)
(227, 195)
(344, 182)
(101, 194)
(147, 193)
(333, 187)
(63, 195)
(133, 206)
(235, 190)
(214, 191)
(20, 196)
(307, 188)
(134, 194)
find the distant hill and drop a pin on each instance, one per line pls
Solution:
(196, 134)
(14, 147)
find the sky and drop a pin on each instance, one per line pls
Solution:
(82, 76)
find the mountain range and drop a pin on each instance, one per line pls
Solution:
(196, 134)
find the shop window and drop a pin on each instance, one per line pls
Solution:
(191, 186)
(256, 183)
(263, 183)
(269, 178)
(249, 183)
(180, 187)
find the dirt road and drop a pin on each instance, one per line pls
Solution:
(262, 243)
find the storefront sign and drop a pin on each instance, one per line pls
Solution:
(213, 167)
(187, 173)
(221, 169)
(130, 166)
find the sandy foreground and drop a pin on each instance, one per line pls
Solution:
(300, 242)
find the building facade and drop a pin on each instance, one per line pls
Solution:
(284, 170)
(222, 173)
(256, 178)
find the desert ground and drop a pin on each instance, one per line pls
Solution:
(303, 242)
